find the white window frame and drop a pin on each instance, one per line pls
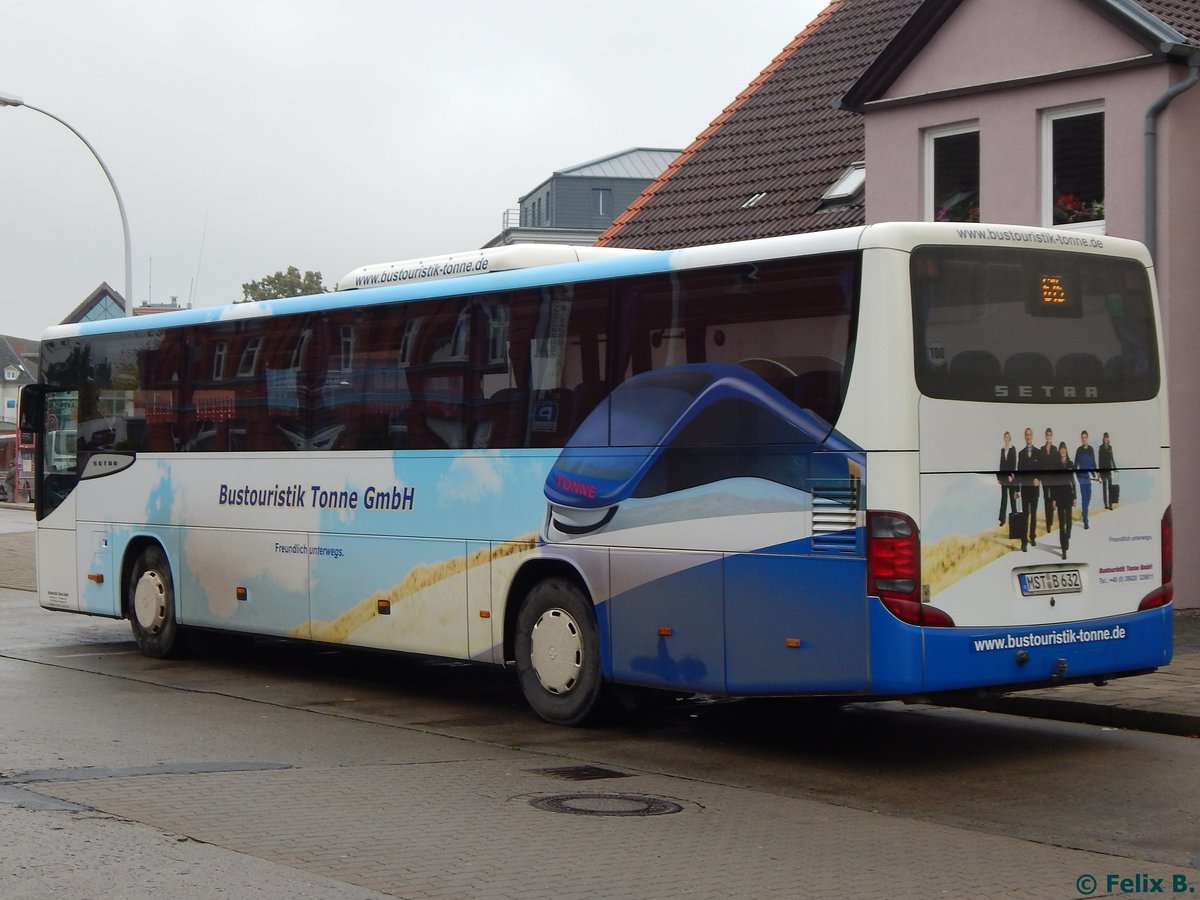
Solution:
(931, 135)
(342, 360)
(219, 351)
(841, 192)
(460, 340)
(603, 201)
(300, 351)
(497, 339)
(1049, 117)
(249, 361)
(408, 341)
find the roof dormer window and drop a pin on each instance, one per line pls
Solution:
(848, 186)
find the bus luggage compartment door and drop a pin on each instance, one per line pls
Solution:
(56, 569)
(795, 624)
(99, 593)
(666, 616)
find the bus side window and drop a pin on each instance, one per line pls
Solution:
(819, 391)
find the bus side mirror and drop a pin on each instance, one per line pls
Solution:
(31, 412)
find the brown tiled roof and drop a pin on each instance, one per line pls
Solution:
(1182, 15)
(781, 137)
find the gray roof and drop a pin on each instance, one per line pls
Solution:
(21, 354)
(637, 162)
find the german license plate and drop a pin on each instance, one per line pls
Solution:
(1057, 581)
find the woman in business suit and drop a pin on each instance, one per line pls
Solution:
(1062, 489)
(1107, 465)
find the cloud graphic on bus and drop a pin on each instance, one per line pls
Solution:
(474, 477)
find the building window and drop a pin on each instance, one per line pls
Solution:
(846, 190)
(104, 308)
(1073, 168)
(300, 350)
(219, 350)
(602, 202)
(346, 349)
(497, 333)
(754, 200)
(249, 360)
(408, 340)
(459, 340)
(952, 174)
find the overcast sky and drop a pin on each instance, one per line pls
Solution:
(249, 135)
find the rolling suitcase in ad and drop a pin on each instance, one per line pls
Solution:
(1018, 526)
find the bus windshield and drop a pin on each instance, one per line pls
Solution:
(1032, 326)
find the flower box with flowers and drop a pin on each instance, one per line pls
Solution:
(1069, 208)
(960, 207)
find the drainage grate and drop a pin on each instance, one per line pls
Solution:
(606, 805)
(582, 773)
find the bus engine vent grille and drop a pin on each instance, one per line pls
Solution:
(835, 517)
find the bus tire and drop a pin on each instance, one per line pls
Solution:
(152, 606)
(558, 652)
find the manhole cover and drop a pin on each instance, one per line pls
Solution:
(606, 805)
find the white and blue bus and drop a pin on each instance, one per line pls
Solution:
(902, 460)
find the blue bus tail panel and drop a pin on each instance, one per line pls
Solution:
(897, 653)
(906, 659)
(971, 657)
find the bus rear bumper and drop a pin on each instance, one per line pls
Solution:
(906, 659)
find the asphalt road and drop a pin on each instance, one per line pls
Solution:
(296, 769)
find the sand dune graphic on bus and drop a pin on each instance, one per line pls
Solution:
(671, 447)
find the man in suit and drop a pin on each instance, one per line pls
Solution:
(1030, 463)
(1049, 455)
(1006, 477)
(1085, 471)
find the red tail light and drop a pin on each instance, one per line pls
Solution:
(894, 569)
(1163, 595)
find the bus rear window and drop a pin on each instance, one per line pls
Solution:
(1012, 325)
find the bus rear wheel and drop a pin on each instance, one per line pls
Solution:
(152, 606)
(558, 652)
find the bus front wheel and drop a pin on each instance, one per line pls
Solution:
(152, 605)
(558, 652)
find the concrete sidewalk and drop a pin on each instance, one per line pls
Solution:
(1167, 701)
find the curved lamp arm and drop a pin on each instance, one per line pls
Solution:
(10, 100)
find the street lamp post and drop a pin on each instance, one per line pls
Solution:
(10, 100)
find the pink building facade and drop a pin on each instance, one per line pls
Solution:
(1035, 112)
